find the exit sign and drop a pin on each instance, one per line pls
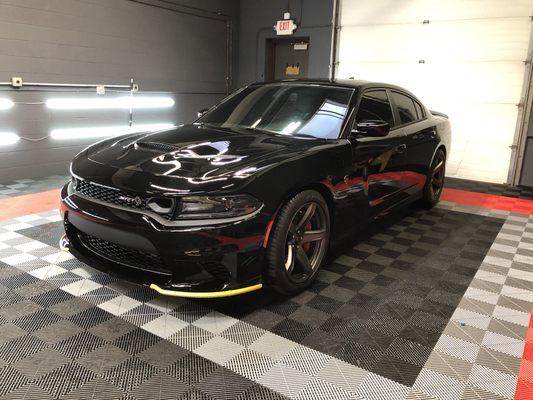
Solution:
(285, 27)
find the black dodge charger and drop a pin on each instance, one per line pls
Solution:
(253, 192)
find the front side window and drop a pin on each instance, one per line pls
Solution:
(375, 105)
(406, 107)
(288, 109)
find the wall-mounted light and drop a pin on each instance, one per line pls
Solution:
(105, 131)
(5, 104)
(8, 138)
(121, 103)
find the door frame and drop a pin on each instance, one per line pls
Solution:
(270, 52)
(525, 108)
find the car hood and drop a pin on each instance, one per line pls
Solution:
(196, 157)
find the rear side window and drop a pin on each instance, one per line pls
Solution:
(406, 108)
(419, 111)
(375, 105)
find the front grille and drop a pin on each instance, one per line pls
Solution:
(123, 255)
(115, 196)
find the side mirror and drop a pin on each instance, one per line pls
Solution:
(371, 128)
(202, 112)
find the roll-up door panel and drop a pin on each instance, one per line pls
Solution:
(378, 12)
(467, 61)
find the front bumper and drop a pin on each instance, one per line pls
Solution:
(206, 261)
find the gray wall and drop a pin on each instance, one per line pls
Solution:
(104, 41)
(259, 16)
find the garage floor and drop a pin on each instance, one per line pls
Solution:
(431, 304)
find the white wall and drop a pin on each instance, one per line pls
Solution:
(473, 70)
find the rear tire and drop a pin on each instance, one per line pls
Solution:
(435, 180)
(298, 243)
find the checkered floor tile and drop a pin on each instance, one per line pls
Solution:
(490, 188)
(383, 304)
(432, 304)
(26, 186)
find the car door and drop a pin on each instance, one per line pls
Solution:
(421, 140)
(377, 161)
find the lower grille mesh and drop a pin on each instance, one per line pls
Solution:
(123, 255)
(217, 270)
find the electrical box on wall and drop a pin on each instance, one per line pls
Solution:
(300, 46)
(16, 82)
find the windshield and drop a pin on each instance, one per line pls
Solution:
(287, 109)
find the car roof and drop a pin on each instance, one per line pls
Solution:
(348, 83)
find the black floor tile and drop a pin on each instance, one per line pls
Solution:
(405, 297)
(490, 188)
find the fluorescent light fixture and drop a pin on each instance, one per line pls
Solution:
(105, 131)
(5, 104)
(7, 138)
(122, 103)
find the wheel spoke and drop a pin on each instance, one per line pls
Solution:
(438, 167)
(311, 208)
(289, 262)
(435, 181)
(314, 236)
(303, 260)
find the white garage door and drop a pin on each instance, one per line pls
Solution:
(464, 58)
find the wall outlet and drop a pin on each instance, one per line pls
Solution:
(16, 81)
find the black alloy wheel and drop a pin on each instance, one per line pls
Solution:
(298, 242)
(306, 242)
(435, 179)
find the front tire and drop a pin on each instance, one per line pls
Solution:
(435, 180)
(298, 243)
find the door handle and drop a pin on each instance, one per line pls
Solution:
(400, 149)
(425, 135)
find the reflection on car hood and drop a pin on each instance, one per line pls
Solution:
(197, 154)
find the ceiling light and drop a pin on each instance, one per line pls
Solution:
(105, 131)
(124, 103)
(5, 104)
(7, 138)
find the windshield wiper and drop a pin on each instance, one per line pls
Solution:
(303, 135)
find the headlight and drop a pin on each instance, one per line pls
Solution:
(204, 207)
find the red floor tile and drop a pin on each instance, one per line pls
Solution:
(491, 201)
(28, 204)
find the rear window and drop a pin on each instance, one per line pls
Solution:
(419, 111)
(406, 108)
